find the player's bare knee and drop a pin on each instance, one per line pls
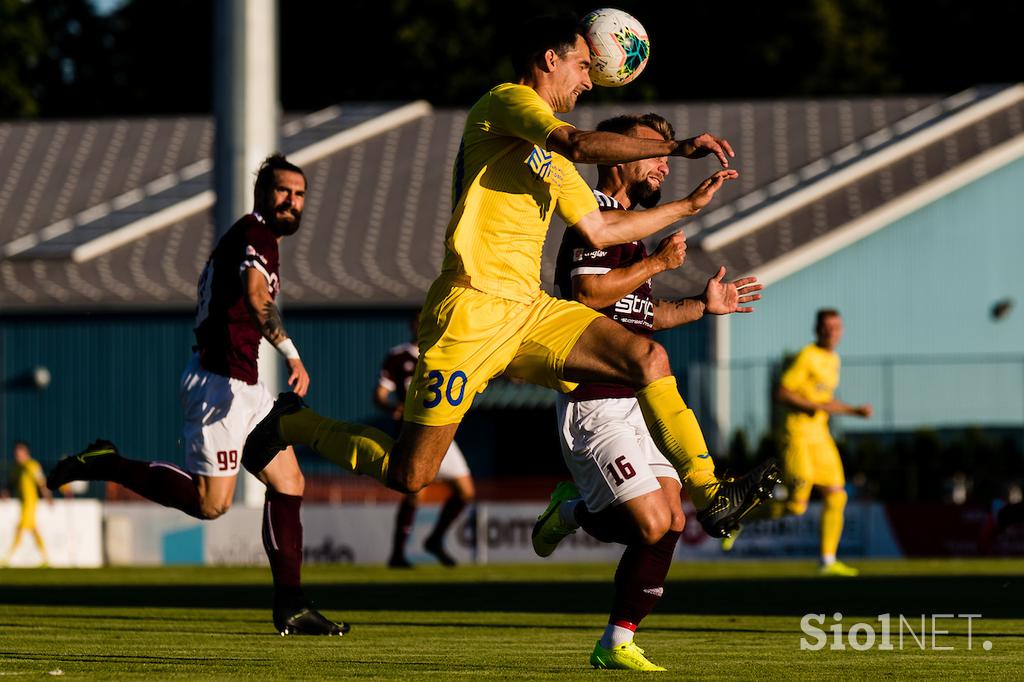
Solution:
(212, 510)
(650, 362)
(653, 527)
(407, 482)
(678, 522)
(291, 483)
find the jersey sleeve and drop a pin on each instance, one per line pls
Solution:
(260, 252)
(575, 199)
(590, 261)
(795, 378)
(518, 111)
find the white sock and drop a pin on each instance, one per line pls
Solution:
(567, 513)
(614, 636)
(828, 559)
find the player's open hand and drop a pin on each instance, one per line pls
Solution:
(671, 252)
(723, 298)
(705, 192)
(298, 378)
(705, 144)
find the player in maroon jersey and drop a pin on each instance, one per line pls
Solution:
(223, 398)
(628, 492)
(395, 376)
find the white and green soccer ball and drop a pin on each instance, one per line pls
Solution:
(619, 46)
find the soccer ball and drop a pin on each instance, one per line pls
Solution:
(618, 47)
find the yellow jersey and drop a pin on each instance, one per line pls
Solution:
(26, 478)
(814, 375)
(505, 187)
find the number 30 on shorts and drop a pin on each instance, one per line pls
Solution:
(453, 389)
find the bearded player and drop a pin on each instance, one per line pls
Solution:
(223, 398)
(628, 491)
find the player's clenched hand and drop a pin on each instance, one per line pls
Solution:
(864, 411)
(701, 197)
(705, 144)
(671, 252)
(298, 377)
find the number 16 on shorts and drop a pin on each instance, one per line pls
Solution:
(620, 470)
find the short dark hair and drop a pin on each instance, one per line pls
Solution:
(625, 123)
(540, 34)
(21, 444)
(274, 162)
(824, 314)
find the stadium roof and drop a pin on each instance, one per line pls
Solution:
(116, 214)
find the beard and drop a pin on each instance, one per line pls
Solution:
(643, 194)
(285, 228)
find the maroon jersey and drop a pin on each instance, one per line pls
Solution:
(634, 311)
(397, 370)
(227, 339)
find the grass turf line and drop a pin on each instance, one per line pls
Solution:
(734, 620)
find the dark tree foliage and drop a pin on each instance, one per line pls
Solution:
(58, 58)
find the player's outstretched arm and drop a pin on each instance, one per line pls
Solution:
(601, 291)
(719, 298)
(839, 407)
(603, 229)
(267, 319)
(591, 146)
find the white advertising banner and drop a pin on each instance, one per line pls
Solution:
(145, 534)
(70, 530)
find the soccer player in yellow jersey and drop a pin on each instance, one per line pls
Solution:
(27, 479)
(486, 314)
(810, 458)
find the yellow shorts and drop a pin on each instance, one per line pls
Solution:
(28, 516)
(468, 337)
(810, 462)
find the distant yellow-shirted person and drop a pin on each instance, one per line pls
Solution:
(27, 480)
(810, 458)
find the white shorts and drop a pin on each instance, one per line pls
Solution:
(609, 451)
(219, 414)
(453, 465)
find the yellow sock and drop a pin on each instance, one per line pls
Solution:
(14, 545)
(41, 545)
(354, 447)
(832, 521)
(675, 431)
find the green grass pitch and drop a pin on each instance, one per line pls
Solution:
(737, 620)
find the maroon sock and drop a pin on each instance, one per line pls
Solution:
(282, 540)
(403, 527)
(640, 579)
(449, 512)
(160, 482)
(609, 525)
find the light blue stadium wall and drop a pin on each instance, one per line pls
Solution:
(916, 296)
(117, 376)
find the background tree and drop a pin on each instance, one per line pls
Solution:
(59, 58)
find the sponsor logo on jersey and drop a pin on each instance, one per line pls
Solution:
(635, 305)
(540, 163)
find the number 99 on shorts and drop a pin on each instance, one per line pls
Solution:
(452, 388)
